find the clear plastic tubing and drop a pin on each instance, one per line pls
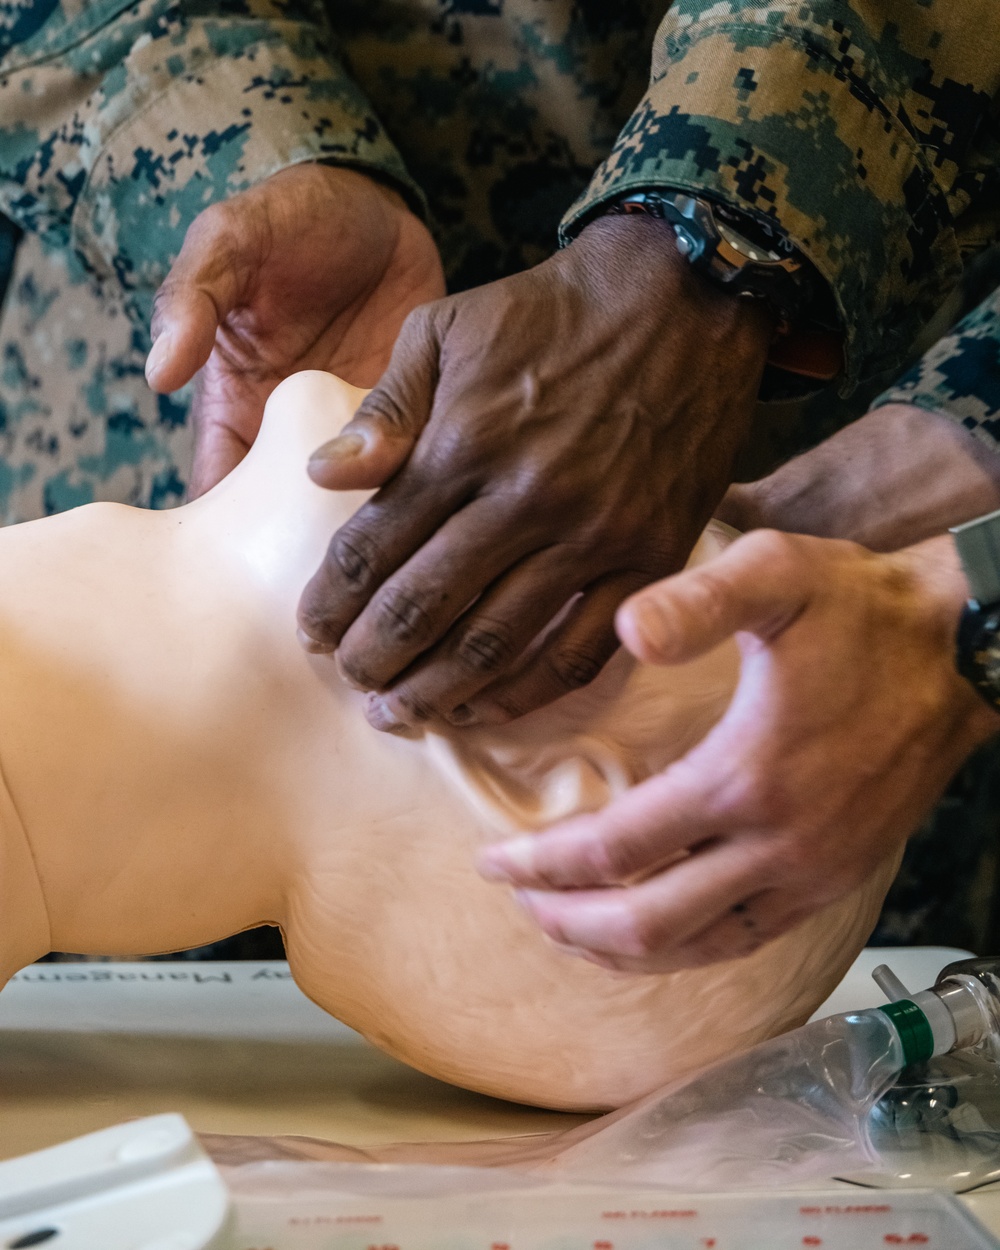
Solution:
(793, 1108)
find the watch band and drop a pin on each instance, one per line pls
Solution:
(977, 646)
(977, 650)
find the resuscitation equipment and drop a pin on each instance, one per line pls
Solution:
(902, 1100)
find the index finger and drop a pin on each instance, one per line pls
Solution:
(640, 832)
(648, 921)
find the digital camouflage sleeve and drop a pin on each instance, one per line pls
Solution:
(960, 375)
(867, 128)
(119, 122)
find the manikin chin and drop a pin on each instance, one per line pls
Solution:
(176, 768)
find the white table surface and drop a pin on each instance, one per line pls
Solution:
(236, 1048)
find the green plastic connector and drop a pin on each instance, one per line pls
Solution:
(914, 1030)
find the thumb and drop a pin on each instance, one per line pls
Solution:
(377, 441)
(760, 584)
(203, 287)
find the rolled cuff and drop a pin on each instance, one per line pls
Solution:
(222, 125)
(771, 120)
(960, 375)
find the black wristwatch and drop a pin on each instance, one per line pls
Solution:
(978, 645)
(739, 252)
(750, 257)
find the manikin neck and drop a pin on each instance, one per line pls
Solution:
(228, 568)
(267, 515)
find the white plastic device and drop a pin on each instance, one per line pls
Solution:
(144, 1185)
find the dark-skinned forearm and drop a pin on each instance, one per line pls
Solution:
(895, 477)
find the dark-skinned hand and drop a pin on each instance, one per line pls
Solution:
(545, 446)
(315, 268)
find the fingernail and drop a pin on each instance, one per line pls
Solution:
(348, 680)
(346, 447)
(313, 645)
(649, 621)
(502, 860)
(158, 353)
(380, 716)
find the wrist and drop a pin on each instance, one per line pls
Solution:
(358, 180)
(942, 589)
(636, 260)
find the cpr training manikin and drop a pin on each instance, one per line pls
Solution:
(177, 768)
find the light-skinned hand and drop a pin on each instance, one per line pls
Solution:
(848, 721)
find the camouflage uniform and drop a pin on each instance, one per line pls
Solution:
(867, 128)
(960, 374)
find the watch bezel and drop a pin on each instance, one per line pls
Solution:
(707, 236)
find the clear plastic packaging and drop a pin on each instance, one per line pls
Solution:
(792, 1110)
(870, 1096)
(319, 1206)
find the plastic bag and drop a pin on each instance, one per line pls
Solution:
(793, 1109)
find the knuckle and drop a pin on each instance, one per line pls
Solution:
(417, 709)
(789, 858)
(575, 666)
(382, 403)
(355, 557)
(161, 307)
(752, 796)
(162, 298)
(622, 855)
(486, 647)
(403, 616)
(314, 616)
(774, 548)
(313, 621)
(530, 482)
(461, 716)
(642, 935)
(608, 860)
(450, 454)
(352, 664)
(711, 593)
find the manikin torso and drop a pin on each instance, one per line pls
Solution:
(176, 768)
